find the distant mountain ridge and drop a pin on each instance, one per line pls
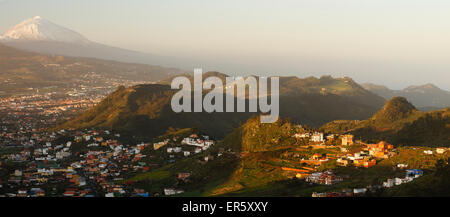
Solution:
(325, 85)
(425, 97)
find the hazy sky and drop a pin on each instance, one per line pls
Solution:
(391, 42)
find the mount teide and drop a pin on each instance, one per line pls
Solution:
(43, 36)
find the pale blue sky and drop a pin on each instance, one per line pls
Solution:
(391, 42)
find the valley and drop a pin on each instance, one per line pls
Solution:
(280, 159)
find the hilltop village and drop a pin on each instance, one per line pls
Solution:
(345, 151)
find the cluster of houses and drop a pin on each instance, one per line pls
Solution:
(365, 156)
(410, 175)
(48, 103)
(313, 137)
(21, 156)
(195, 140)
(106, 167)
(52, 153)
(34, 192)
(101, 168)
(324, 178)
(368, 156)
(319, 137)
(172, 191)
(355, 192)
(95, 171)
(380, 150)
(437, 151)
(47, 152)
(198, 143)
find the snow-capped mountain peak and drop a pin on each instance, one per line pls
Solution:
(39, 29)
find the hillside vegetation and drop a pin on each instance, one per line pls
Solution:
(399, 122)
(23, 69)
(145, 109)
(252, 161)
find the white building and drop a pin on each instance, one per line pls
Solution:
(302, 135)
(177, 149)
(82, 181)
(428, 152)
(109, 194)
(402, 165)
(317, 137)
(359, 190)
(172, 191)
(440, 150)
(389, 183)
(18, 173)
(197, 142)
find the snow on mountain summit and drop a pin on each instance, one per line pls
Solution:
(39, 29)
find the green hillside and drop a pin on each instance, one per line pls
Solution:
(22, 69)
(245, 161)
(252, 159)
(399, 122)
(145, 109)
